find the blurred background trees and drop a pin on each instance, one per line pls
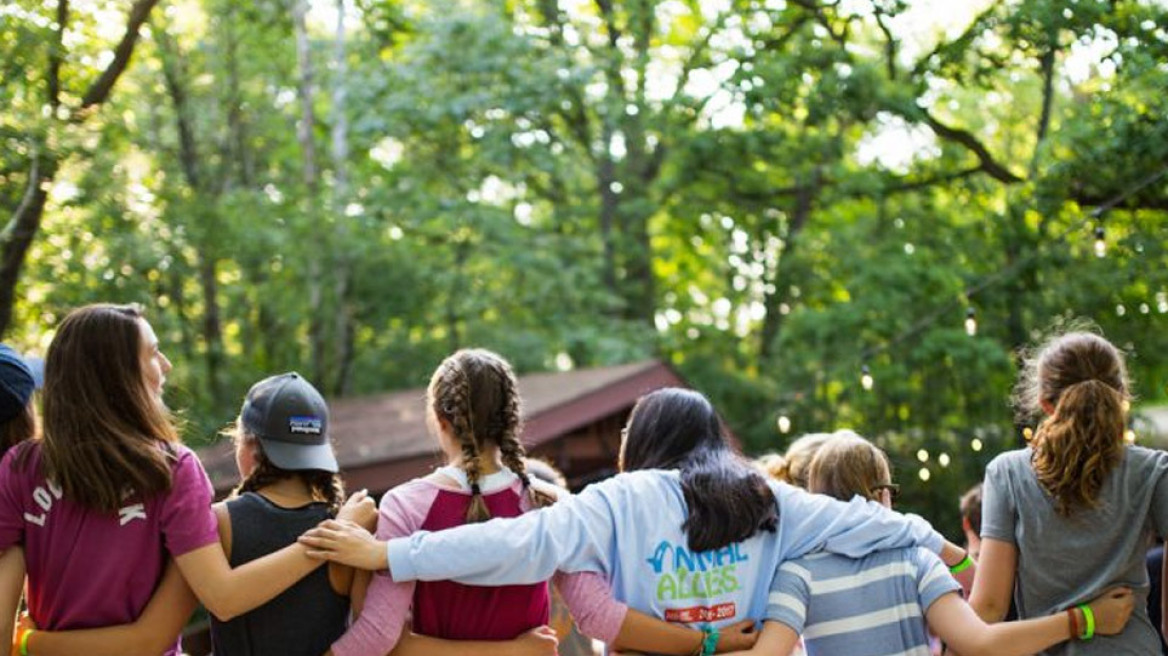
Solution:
(771, 195)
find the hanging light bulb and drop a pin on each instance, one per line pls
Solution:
(866, 378)
(1100, 242)
(784, 424)
(970, 321)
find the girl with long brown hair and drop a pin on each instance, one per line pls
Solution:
(1073, 513)
(109, 491)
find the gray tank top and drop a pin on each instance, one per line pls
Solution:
(304, 619)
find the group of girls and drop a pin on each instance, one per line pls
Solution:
(111, 521)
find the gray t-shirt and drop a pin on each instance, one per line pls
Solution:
(1064, 561)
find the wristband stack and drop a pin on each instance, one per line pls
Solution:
(22, 636)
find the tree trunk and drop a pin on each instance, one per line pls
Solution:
(174, 72)
(310, 177)
(239, 155)
(773, 302)
(21, 230)
(24, 223)
(343, 332)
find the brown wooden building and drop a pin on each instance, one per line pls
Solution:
(572, 419)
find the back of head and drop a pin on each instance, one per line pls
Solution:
(17, 421)
(1079, 380)
(792, 467)
(848, 465)
(970, 505)
(545, 471)
(727, 498)
(102, 424)
(285, 422)
(476, 392)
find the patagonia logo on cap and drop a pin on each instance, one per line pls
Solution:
(305, 425)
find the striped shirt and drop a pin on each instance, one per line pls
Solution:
(871, 606)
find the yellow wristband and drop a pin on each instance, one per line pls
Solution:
(24, 641)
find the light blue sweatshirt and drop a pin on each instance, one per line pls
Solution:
(628, 528)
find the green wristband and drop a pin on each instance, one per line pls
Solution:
(1089, 620)
(960, 567)
(710, 643)
(24, 642)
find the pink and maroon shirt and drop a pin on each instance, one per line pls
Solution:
(90, 569)
(444, 609)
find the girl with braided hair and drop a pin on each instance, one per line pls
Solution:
(473, 409)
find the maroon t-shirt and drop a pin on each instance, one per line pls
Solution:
(90, 569)
(445, 609)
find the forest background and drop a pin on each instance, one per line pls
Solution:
(778, 197)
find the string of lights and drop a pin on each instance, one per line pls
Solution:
(947, 310)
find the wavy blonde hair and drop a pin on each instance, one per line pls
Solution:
(792, 466)
(847, 465)
(1080, 381)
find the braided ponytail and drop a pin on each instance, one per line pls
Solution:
(327, 486)
(450, 397)
(508, 419)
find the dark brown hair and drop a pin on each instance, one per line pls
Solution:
(20, 428)
(1081, 377)
(971, 508)
(104, 429)
(475, 391)
(727, 498)
(324, 486)
(847, 465)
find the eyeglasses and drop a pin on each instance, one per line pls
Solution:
(893, 489)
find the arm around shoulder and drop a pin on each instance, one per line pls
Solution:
(155, 630)
(228, 593)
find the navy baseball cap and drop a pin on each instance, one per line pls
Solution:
(16, 383)
(290, 419)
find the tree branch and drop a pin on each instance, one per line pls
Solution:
(889, 44)
(56, 55)
(966, 138)
(1047, 67)
(914, 185)
(968, 35)
(102, 86)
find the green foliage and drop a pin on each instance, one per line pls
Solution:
(589, 184)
